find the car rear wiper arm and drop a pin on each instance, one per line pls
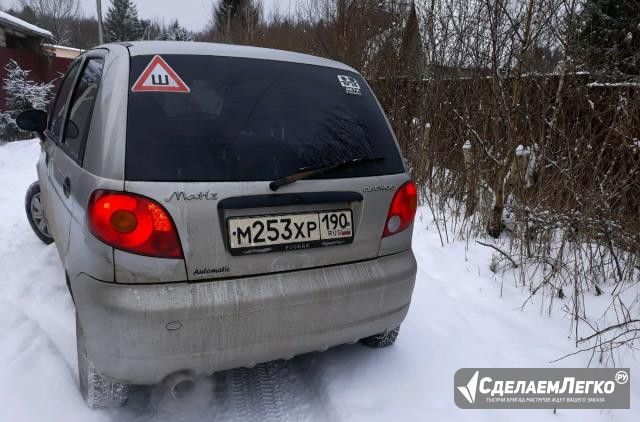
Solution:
(310, 171)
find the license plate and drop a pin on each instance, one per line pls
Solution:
(289, 231)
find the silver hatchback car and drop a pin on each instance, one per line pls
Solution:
(217, 206)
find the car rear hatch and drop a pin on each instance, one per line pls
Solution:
(207, 135)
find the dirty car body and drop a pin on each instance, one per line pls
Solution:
(231, 273)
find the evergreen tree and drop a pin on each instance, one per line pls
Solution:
(236, 15)
(27, 14)
(122, 23)
(609, 38)
(175, 32)
(21, 94)
(412, 57)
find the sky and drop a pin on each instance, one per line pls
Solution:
(192, 14)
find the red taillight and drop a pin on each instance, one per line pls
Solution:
(133, 223)
(403, 209)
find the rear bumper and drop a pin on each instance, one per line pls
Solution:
(141, 333)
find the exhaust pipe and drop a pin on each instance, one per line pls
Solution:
(180, 385)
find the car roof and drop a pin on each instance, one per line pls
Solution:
(145, 48)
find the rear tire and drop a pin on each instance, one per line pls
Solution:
(381, 340)
(98, 391)
(35, 214)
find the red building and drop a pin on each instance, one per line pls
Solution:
(23, 42)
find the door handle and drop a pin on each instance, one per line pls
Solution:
(66, 187)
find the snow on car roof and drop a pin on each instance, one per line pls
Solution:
(141, 48)
(17, 23)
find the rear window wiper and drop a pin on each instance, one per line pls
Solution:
(310, 171)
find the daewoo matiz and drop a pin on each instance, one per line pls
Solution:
(217, 206)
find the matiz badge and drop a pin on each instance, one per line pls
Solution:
(351, 85)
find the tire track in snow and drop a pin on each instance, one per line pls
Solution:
(275, 391)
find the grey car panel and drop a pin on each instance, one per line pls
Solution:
(87, 254)
(104, 155)
(131, 268)
(63, 169)
(396, 243)
(42, 168)
(145, 48)
(143, 333)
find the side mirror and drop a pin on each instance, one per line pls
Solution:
(71, 131)
(32, 120)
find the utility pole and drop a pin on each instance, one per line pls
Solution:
(100, 35)
(228, 23)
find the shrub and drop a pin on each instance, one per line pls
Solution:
(21, 94)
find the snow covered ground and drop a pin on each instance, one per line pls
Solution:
(457, 319)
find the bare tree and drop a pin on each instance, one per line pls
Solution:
(55, 15)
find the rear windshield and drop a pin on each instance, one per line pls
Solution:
(237, 119)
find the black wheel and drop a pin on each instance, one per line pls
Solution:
(383, 339)
(98, 391)
(35, 214)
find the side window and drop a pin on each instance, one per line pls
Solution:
(81, 108)
(57, 114)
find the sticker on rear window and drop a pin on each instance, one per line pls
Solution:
(158, 76)
(350, 85)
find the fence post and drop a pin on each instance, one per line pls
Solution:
(471, 178)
